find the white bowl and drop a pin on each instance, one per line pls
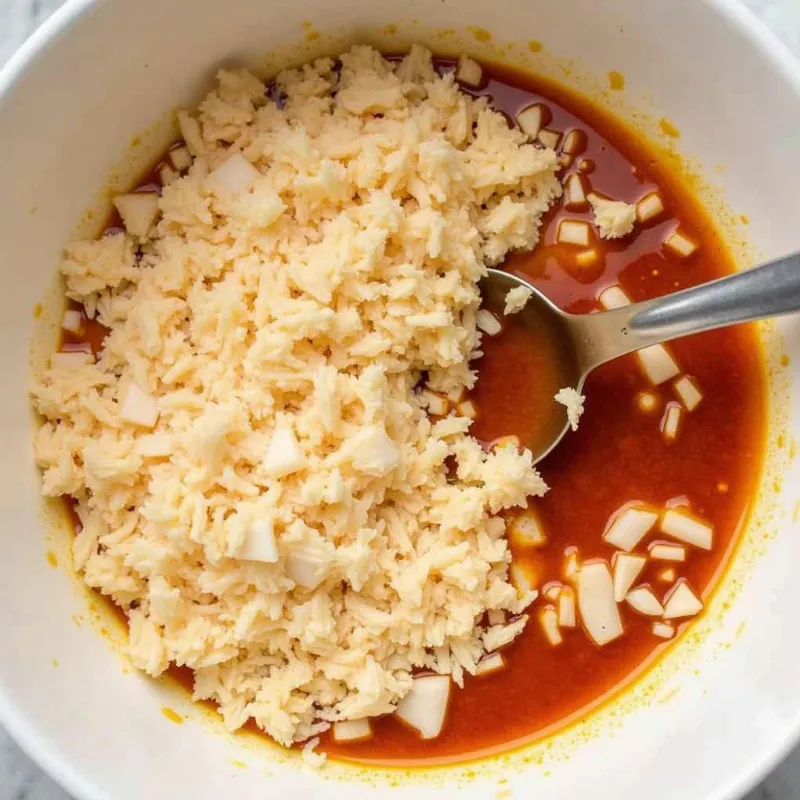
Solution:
(720, 710)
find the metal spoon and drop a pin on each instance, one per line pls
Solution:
(581, 342)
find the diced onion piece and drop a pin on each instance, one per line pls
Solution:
(663, 630)
(284, 454)
(456, 395)
(305, 569)
(235, 175)
(671, 421)
(573, 231)
(469, 72)
(565, 159)
(629, 525)
(138, 211)
(425, 706)
(506, 441)
(667, 575)
(488, 322)
(647, 402)
(552, 591)
(679, 244)
(548, 619)
(72, 321)
(575, 199)
(138, 407)
(649, 207)
(351, 730)
(566, 608)
(70, 360)
(167, 175)
(501, 635)
(574, 142)
(657, 364)
(598, 609)
(549, 138)
(586, 165)
(531, 119)
(613, 297)
(688, 392)
(586, 258)
(681, 602)
(259, 543)
(526, 530)
(467, 409)
(496, 616)
(155, 445)
(181, 158)
(489, 664)
(643, 600)
(665, 551)
(626, 567)
(571, 564)
(522, 577)
(686, 528)
(436, 405)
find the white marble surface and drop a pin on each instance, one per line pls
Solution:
(20, 779)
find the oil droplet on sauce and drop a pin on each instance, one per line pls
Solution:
(616, 81)
(51, 559)
(172, 716)
(535, 47)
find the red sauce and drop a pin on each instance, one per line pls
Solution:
(617, 455)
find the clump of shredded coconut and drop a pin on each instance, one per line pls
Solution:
(574, 402)
(516, 299)
(613, 218)
(275, 509)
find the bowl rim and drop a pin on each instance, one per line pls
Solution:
(45, 753)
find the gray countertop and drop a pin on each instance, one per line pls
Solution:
(20, 779)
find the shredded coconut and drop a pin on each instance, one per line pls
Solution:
(613, 218)
(516, 299)
(286, 526)
(574, 403)
(311, 757)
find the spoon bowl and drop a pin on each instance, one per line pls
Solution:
(575, 344)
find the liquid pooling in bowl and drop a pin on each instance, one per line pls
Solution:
(620, 453)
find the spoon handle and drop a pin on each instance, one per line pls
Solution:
(766, 291)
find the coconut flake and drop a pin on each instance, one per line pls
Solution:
(598, 609)
(516, 299)
(424, 708)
